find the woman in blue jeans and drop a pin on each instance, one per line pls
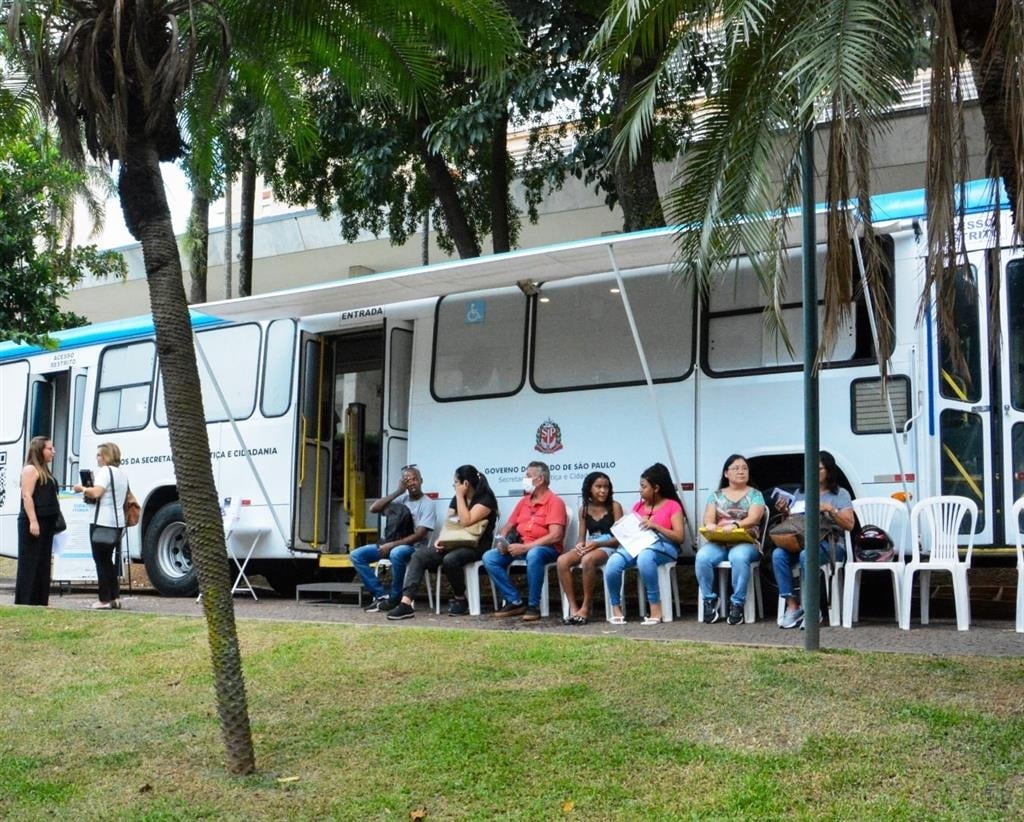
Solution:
(660, 511)
(836, 507)
(734, 505)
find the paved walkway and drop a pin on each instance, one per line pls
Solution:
(990, 637)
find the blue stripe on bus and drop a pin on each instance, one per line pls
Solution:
(114, 331)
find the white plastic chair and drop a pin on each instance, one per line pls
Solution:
(668, 591)
(1018, 509)
(607, 593)
(936, 521)
(472, 572)
(892, 517)
(833, 573)
(545, 606)
(753, 605)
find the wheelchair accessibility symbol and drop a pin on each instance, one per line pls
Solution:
(476, 312)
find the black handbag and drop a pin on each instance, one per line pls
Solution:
(60, 524)
(106, 536)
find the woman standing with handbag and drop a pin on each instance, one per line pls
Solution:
(37, 523)
(108, 493)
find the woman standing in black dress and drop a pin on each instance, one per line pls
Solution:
(36, 522)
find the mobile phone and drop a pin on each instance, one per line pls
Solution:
(86, 476)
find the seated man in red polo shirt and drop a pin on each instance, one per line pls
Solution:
(537, 524)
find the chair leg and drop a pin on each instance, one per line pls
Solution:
(926, 595)
(961, 597)
(665, 590)
(437, 593)
(723, 591)
(1020, 601)
(781, 611)
(430, 593)
(835, 604)
(905, 598)
(897, 592)
(758, 594)
(545, 604)
(675, 594)
(850, 595)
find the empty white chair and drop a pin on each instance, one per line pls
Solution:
(472, 572)
(1018, 509)
(935, 522)
(892, 517)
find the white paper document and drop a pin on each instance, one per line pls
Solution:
(631, 536)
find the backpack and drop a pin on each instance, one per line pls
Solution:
(872, 544)
(399, 522)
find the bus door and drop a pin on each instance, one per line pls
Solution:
(56, 402)
(1012, 390)
(963, 399)
(398, 378)
(316, 426)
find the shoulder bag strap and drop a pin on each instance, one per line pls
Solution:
(113, 490)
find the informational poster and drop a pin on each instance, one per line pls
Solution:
(72, 551)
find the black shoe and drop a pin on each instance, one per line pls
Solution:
(532, 614)
(379, 604)
(401, 611)
(510, 609)
(735, 614)
(711, 611)
(458, 607)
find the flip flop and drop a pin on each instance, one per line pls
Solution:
(578, 619)
(651, 621)
(616, 620)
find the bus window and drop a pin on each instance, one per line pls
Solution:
(233, 354)
(1014, 339)
(41, 421)
(963, 458)
(399, 379)
(277, 368)
(582, 337)
(14, 390)
(954, 383)
(124, 387)
(479, 345)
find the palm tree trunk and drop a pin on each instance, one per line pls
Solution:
(635, 184)
(144, 203)
(245, 226)
(198, 245)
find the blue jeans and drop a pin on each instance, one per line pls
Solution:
(497, 564)
(740, 557)
(646, 562)
(783, 562)
(399, 556)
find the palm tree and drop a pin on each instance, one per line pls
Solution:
(788, 64)
(113, 74)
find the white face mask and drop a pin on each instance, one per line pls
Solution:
(528, 485)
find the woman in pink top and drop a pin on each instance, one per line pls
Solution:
(660, 511)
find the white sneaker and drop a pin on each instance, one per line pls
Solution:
(791, 619)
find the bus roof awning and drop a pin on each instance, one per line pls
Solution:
(557, 262)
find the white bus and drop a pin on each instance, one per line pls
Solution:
(529, 355)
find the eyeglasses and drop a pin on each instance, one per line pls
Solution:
(410, 466)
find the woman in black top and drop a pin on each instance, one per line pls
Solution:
(595, 544)
(473, 502)
(36, 522)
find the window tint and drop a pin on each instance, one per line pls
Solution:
(277, 368)
(233, 354)
(124, 387)
(1015, 331)
(14, 390)
(955, 382)
(582, 336)
(479, 341)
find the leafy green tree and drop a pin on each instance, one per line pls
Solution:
(114, 73)
(38, 266)
(788, 64)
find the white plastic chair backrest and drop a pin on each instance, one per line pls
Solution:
(1018, 509)
(937, 520)
(888, 514)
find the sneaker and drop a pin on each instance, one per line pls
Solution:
(532, 614)
(710, 611)
(379, 604)
(803, 622)
(458, 607)
(401, 611)
(735, 614)
(510, 609)
(791, 619)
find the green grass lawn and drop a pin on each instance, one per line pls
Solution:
(111, 716)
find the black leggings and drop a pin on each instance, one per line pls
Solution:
(106, 571)
(430, 559)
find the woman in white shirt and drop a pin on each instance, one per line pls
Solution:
(108, 492)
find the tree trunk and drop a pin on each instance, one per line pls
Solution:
(973, 22)
(462, 233)
(229, 227)
(501, 239)
(146, 213)
(635, 185)
(245, 227)
(199, 244)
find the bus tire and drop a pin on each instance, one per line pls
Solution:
(166, 554)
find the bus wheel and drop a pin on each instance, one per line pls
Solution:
(167, 555)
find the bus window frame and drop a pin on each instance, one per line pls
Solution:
(261, 388)
(891, 378)
(527, 313)
(25, 402)
(152, 384)
(686, 374)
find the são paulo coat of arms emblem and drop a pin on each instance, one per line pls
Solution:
(549, 437)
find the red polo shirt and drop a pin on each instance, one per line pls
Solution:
(531, 517)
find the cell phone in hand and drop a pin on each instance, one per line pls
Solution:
(86, 476)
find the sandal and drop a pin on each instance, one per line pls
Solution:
(101, 606)
(578, 619)
(617, 619)
(649, 620)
